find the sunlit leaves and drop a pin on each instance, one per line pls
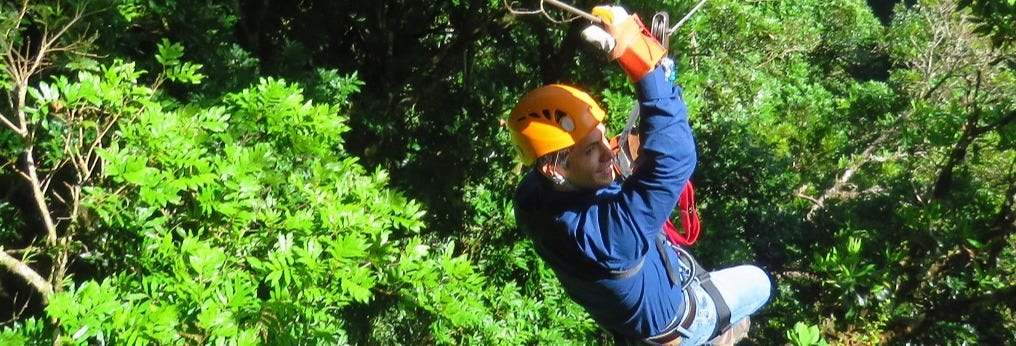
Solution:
(269, 201)
(169, 55)
(805, 335)
(996, 19)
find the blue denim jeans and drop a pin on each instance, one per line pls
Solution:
(745, 288)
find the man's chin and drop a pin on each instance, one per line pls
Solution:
(605, 179)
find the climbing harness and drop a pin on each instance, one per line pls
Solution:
(722, 309)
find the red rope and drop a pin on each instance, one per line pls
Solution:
(690, 224)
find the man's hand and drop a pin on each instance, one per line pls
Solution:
(627, 40)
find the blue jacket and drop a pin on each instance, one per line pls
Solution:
(584, 236)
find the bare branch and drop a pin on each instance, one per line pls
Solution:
(33, 278)
(10, 125)
(40, 198)
(542, 11)
(857, 162)
(15, 316)
(799, 192)
(22, 68)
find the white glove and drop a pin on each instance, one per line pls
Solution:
(625, 39)
(599, 38)
(597, 35)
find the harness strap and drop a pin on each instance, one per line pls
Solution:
(681, 326)
(572, 263)
(671, 272)
(722, 309)
(704, 279)
(625, 155)
(627, 273)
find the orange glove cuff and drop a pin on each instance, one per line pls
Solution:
(637, 51)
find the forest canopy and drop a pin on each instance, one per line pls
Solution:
(336, 172)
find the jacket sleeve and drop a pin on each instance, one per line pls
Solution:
(666, 158)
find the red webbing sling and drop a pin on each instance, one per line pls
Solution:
(689, 219)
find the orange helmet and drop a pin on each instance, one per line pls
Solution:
(552, 118)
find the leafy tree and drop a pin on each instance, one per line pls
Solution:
(995, 19)
(48, 150)
(799, 153)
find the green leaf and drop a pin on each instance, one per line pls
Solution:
(169, 53)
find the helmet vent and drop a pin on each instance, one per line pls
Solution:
(567, 124)
(559, 117)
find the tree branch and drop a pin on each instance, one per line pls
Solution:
(39, 196)
(857, 162)
(943, 185)
(1004, 224)
(1006, 119)
(22, 69)
(961, 308)
(33, 278)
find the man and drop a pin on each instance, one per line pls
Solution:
(602, 235)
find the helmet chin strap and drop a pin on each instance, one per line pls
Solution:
(561, 182)
(550, 171)
(559, 178)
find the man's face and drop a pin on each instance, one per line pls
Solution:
(590, 162)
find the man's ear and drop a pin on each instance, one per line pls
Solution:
(548, 170)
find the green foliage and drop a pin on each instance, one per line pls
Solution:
(169, 57)
(275, 199)
(995, 19)
(805, 335)
(263, 181)
(29, 331)
(853, 282)
(256, 227)
(335, 88)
